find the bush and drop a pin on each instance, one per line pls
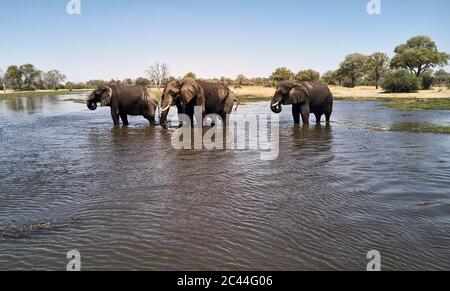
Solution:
(427, 81)
(400, 82)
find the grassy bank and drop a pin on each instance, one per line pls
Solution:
(421, 128)
(419, 104)
(10, 95)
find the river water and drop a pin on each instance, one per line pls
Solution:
(334, 193)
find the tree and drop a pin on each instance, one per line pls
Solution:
(239, 82)
(14, 78)
(307, 76)
(331, 78)
(190, 75)
(282, 74)
(377, 66)
(441, 78)
(128, 82)
(142, 82)
(158, 73)
(353, 67)
(418, 55)
(53, 79)
(2, 80)
(29, 74)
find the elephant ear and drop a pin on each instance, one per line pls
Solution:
(106, 96)
(298, 94)
(191, 90)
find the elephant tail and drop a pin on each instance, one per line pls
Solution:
(237, 102)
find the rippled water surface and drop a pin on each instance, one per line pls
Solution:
(333, 194)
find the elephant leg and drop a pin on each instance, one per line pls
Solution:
(124, 118)
(115, 116)
(150, 119)
(190, 114)
(328, 112)
(305, 113)
(296, 113)
(318, 117)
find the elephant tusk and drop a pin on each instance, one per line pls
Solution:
(165, 109)
(276, 104)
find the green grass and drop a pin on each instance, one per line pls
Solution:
(421, 128)
(75, 100)
(419, 104)
(30, 94)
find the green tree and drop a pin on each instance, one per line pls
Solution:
(377, 66)
(143, 82)
(331, 78)
(14, 78)
(282, 74)
(29, 74)
(190, 75)
(418, 55)
(307, 76)
(441, 78)
(353, 68)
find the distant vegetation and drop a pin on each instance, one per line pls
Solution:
(411, 68)
(420, 104)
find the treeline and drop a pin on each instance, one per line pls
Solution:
(28, 78)
(412, 68)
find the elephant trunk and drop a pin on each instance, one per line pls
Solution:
(276, 107)
(92, 105)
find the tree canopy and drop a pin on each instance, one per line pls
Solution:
(418, 55)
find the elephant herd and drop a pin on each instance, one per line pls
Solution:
(212, 98)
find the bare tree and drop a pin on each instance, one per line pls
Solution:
(158, 73)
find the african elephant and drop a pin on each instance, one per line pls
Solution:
(124, 101)
(213, 98)
(306, 98)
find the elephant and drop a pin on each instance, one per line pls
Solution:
(213, 98)
(306, 98)
(124, 101)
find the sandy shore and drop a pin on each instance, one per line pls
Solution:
(358, 93)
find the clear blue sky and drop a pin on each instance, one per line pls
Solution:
(213, 38)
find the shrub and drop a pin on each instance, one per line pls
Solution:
(427, 81)
(400, 82)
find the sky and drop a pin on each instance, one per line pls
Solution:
(117, 39)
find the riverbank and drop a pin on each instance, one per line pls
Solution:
(39, 93)
(252, 93)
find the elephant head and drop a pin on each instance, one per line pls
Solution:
(180, 94)
(102, 94)
(287, 94)
(171, 96)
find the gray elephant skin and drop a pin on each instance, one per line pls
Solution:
(212, 98)
(124, 101)
(305, 98)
